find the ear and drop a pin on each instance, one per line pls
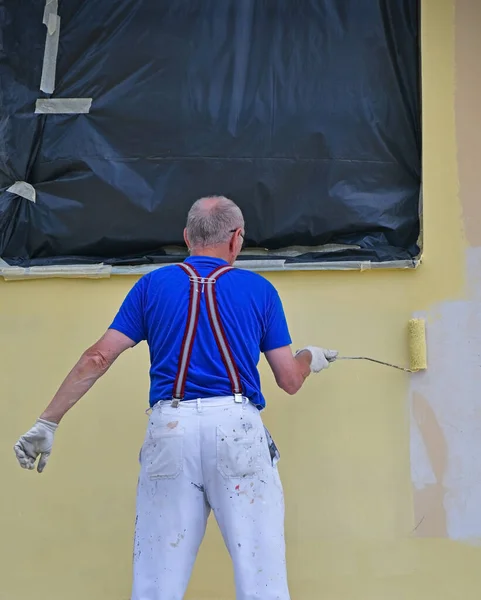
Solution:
(186, 239)
(233, 242)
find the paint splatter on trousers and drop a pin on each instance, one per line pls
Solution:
(211, 454)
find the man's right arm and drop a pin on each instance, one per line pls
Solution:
(126, 331)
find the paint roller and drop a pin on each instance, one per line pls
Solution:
(417, 349)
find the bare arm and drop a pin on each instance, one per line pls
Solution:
(290, 371)
(93, 363)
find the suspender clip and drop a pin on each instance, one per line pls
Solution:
(202, 280)
(238, 398)
(175, 403)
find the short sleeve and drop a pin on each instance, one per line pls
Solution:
(130, 318)
(276, 333)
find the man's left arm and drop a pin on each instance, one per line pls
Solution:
(93, 363)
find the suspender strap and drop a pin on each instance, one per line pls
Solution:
(198, 285)
(220, 335)
(189, 333)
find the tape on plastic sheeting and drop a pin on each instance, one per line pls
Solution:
(99, 271)
(23, 189)
(63, 106)
(49, 67)
(10, 273)
(51, 8)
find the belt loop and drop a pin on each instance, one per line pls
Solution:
(175, 403)
(238, 398)
(199, 405)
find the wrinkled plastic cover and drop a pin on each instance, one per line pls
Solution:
(306, 113)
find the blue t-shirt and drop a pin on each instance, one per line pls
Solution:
(156, 308)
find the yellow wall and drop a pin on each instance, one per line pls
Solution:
(358, 528)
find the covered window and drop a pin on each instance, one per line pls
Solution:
(116, 116)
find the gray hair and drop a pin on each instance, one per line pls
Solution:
(211, 221)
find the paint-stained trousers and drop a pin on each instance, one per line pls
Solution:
(208, 454)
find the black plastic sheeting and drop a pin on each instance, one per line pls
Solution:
(306, 113)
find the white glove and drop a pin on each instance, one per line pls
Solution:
(321, 358)
(37, 441)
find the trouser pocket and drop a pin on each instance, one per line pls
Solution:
(162, 455)
(238, 454)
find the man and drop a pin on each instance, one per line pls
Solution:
(206, 447)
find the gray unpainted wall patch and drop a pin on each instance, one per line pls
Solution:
(23, 189)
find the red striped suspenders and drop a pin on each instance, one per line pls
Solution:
(199, 284)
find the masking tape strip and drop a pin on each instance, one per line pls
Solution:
(351, 265)
(421, 221)
(104, 271)
(279, 265)
(23, 189)
(63, 106)
(49, 67)
(51, 8)
(10, 273)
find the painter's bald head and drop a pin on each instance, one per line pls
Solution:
(212, 220)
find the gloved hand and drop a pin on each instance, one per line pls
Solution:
(37, 441)
(321, 358)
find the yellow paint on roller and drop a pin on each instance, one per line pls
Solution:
(417, 349)
(417, 344)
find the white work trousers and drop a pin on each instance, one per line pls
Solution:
(209, 453)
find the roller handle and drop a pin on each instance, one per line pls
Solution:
(379, 362)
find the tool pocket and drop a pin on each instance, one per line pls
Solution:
(273, 451)
(238, 454)
(162, 455)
